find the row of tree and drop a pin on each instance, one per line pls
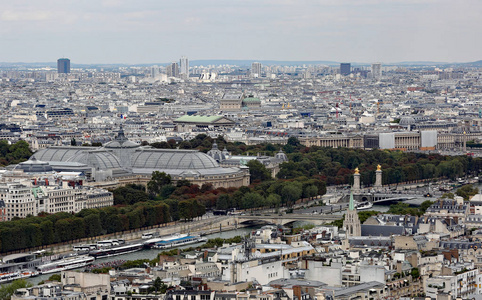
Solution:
(14, 153)
(62, 227)
(336, 166)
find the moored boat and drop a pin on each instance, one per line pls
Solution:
(364, 205)
(173, 241)
(67, 263)
(116, 250)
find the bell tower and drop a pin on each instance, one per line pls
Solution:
(352, 223)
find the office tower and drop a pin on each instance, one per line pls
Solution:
(184, 70)
(377, 70)
(256, 69)
(154, 71)
(173, 70)
(63, 65)
(345, 69)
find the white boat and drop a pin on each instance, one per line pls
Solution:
(173, 241)
(115, 250)
(7, 277)
(67, 263)
(364, 205)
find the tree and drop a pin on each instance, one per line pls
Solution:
(223, 202)
(293, 141)
(73, 142)
(425, 204)
(258, 171)
(467, 191)
(310, 191)
(273, 200)
(291, 192)
(415, 273)
(6, 291)
(94, 226)
(158, 180)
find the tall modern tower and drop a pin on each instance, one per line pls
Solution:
(256, 69)
(345, 69)
(184, 70)
(172, 70)
(63, 65)
(376, 70)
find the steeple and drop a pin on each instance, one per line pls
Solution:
(351, 223)
(352, 202)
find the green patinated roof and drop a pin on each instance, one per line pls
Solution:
(251, 99)
(198, 119)
(352, 202)
(35, 191)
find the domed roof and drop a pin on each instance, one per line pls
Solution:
(216, 153)
(60, 153)
(407, 121)
(34, 166)
(97, 159)
(172, 159)
(281, 155)
(121, 142)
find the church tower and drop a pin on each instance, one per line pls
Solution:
(352, 222)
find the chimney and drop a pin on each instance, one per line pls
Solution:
(297, 291)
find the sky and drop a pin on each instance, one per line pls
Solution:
(160, 31)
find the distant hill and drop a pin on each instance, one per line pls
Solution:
(241, 63)
(474, 64)
(264, 62)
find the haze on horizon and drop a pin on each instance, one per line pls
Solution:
(156, 31)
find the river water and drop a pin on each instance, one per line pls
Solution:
(152, 253)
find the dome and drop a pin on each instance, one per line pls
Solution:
(34, 166)
(172, 159)
(407, 121)
(216, 153)
(97, 159)
(281, 156)
(60, 153)
(121, 142)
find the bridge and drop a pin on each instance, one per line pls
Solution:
(381, 197)
(316, 219)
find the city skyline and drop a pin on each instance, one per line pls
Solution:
(124, 32)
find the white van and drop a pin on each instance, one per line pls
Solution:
(146, 236)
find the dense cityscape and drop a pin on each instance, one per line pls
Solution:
(240, 150)
(351, 181)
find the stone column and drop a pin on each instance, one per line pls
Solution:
(356, 181)
(378, 179)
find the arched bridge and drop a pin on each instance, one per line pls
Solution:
(316, 219)
(381, 197)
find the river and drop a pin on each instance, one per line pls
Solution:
(152, 253)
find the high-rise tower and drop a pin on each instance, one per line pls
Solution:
(256, 69)
(345, 69)
(184, 67)
(172, 70)
(63, 65)
(377, 70)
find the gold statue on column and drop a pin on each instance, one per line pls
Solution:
(379, 168)
(357, 171)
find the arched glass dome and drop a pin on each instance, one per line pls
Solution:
(172, 159)
(97, 159)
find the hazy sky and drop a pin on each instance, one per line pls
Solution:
(150, 31)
